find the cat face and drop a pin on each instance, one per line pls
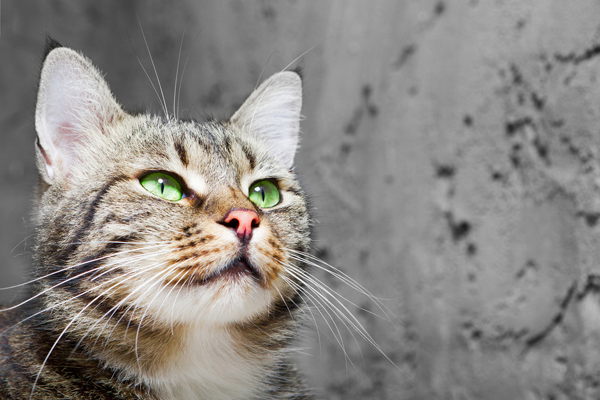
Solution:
(153, 218)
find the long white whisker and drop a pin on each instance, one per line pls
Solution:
(338, 337)
(345, 314)
(116, 306)
(286, 67)
(150, 80)
(327, 288)
(182, 273)
(183, 73)
(164, 102)
(337, 273)
(137, 334)
(93, 270)
(63, 333)
(119, 304)
(177, 69)
(66, 269)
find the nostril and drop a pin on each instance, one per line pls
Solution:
(233, 223)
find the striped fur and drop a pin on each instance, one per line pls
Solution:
(126, 304)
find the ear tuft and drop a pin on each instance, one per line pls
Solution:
(272, 112)
(50, 45)
(74, 103)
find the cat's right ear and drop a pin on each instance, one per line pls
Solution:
(74, 103)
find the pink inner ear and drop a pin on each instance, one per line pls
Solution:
(65, 141)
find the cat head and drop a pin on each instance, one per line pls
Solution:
(179, 221)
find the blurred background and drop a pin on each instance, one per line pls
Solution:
(450, 148)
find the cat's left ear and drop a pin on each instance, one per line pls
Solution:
(74, 104)
(272, 112)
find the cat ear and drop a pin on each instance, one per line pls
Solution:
(272, 112)
(74, 103)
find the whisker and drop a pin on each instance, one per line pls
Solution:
(147, 76)
(164, 102)
(65, 330)
(328, 288)
(57, 305)
(284, 68)
(177, 69)
(182, 273)
(111, 267)
(264, 68)
(116, 306)
(68, 268)
(343, 313)
(168, 270)
(337, 273)
(183, 73)
(338, 337)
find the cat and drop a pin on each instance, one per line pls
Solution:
(170, 259)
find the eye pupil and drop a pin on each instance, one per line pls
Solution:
(162, 185)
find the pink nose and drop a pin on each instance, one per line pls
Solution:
(242, 221)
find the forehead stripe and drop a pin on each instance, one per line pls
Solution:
(181, 152)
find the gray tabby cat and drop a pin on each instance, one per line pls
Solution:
(167, 255)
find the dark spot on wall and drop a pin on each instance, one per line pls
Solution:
(514, 126)
(515, 155)
(363, 256)
(445, 171)
(476, 334)
(366, 91)
(592, 285)
(529, 266)
(471, 249)
(575, 58)
(352, 126)
(268, 12)
(521, 23)
(458, 229)
(537, 101)
(322, 253)
(590, 218)
(541, 149)
(468, 121)
(389, 179)
(497, 176)
(405, 55)
(517, 76)
(372, 109)
(557, 320)
(345, 148)
(439, 9)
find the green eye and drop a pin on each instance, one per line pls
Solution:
(162, 185)
(264, 194)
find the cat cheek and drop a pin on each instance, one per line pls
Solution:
(267, 254)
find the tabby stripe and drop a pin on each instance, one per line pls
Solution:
(250, 156)
(181, 152)
(64, 255)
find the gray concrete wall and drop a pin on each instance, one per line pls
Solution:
(451, 149)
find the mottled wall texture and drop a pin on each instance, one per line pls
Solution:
(451, 148)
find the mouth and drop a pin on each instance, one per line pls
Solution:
(237, 269)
